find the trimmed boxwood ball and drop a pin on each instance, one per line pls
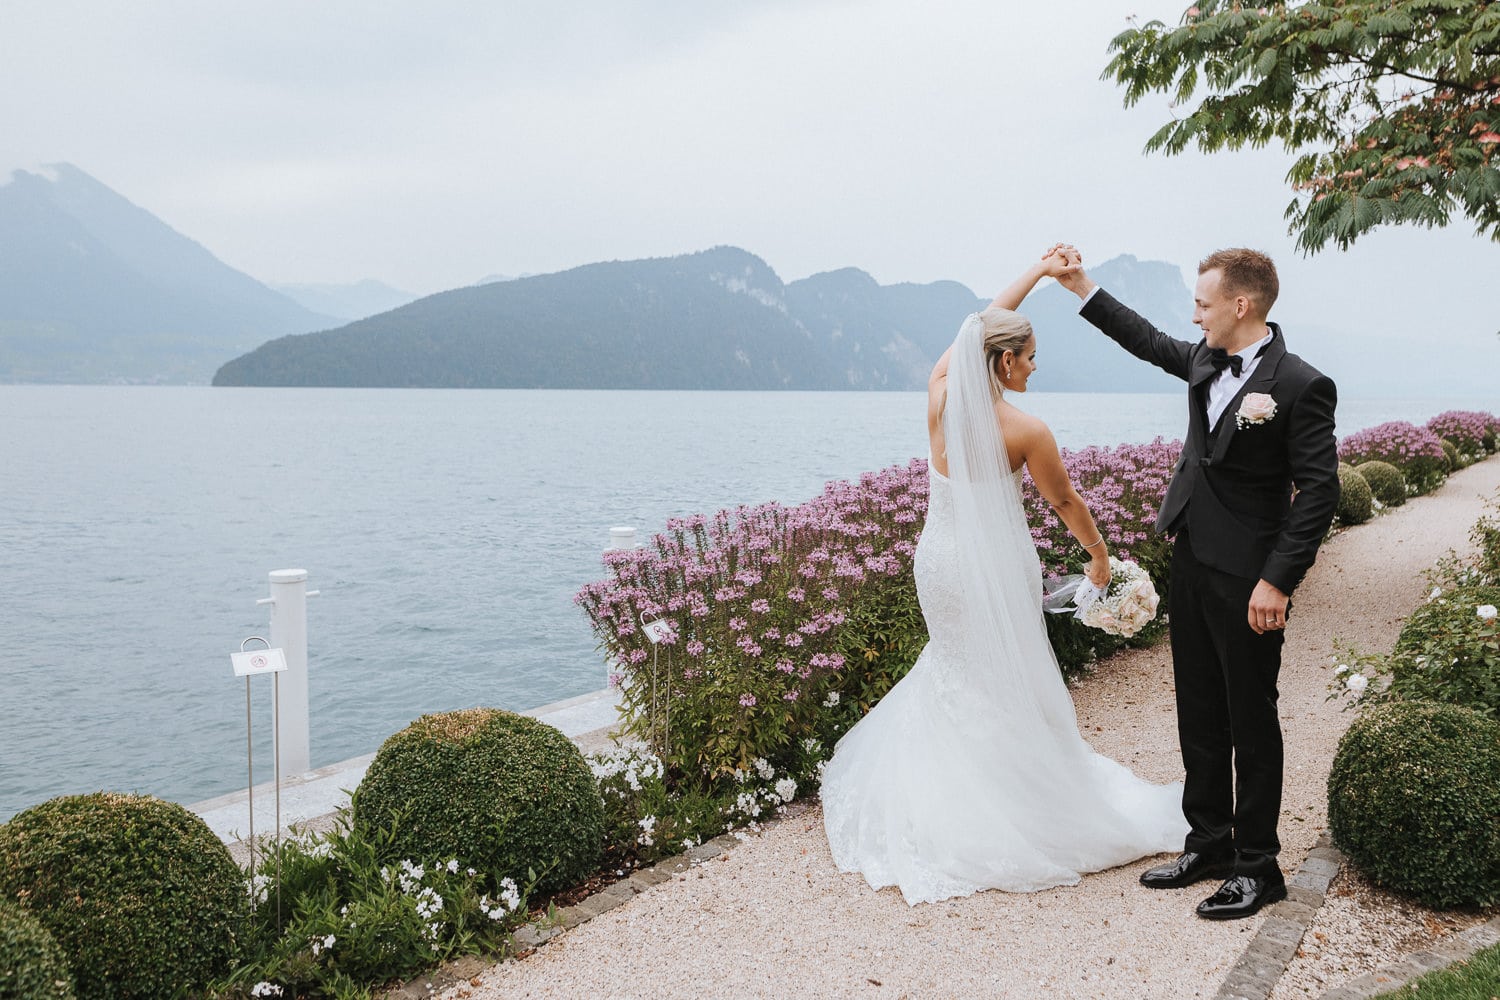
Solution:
(137, 892)
(498, 791)
(32, 966)
(1414, 800)
(1451, 450)
(1356, 502)
(1386, 482)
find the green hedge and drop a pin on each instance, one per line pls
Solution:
(1414, 800)
(1356, 502)
(32, 966)
(1447, 652)
(1386, 481)
(501, 792)
(139, 893)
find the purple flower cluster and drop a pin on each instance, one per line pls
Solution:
(755, 599)
(1472, 432)
(1395, 441)
(1123, 487)
(1416, 451)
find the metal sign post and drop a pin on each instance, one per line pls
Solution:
(247, 664)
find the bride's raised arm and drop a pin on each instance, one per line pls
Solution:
(1054, 264)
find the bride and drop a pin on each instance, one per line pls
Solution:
(970, 773)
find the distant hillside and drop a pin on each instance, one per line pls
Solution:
(1073, 356)
(720, 319)
(94, 288)
(346, 302)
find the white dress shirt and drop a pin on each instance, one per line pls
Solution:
(1222, 389)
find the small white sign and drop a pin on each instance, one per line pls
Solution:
(656, 630)
(258, 661)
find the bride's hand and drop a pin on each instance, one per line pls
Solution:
(1061, 259)
(1098, 571)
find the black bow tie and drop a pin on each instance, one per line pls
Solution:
(1221, 359)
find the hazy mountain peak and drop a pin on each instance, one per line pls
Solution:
(95, 288)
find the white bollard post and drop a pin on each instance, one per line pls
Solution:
(621, 538)
(288, 602)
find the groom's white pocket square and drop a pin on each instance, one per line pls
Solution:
(1255, 408)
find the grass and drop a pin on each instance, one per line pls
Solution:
(1478, 978)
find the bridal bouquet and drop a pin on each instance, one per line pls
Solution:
(1125, 607)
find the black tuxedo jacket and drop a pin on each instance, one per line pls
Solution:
(1232, 488)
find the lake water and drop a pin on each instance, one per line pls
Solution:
(447, 531)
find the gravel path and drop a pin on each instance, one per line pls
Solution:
(774, 918)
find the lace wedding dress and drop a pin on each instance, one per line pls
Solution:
(971, 773)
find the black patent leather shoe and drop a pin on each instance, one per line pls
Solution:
(1186, 870)
(1243, 896)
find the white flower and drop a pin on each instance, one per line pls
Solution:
(688, 843)
(647, 825)
(1255, 408)
(764, 769)
(509, 894)
(1340, 669)
(1486, 612)
(1436, 593)
(831, 700)
(320, 945)
(258, 888)
(1357, 682)
(264, 989)
(787, 789)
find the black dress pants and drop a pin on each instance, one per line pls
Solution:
(1226, 715)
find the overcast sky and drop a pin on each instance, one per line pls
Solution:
(430, 145)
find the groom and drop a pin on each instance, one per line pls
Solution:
(1260, 425)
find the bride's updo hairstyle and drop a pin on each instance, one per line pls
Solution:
(1004, 330)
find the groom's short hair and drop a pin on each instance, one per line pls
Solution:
(1246, 272)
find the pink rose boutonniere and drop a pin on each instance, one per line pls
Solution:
(1255, 408)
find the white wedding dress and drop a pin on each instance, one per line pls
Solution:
(970, 773)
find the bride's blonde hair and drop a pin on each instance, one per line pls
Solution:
(1004, 330)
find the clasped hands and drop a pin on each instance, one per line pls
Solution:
(1064, 262)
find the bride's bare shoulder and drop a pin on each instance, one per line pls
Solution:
(1020, 426)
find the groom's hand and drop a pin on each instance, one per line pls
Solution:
(1267, 608)
(1071, 274)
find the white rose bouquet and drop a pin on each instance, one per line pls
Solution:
(1125, 607)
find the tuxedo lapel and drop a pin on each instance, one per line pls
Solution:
(1262, 380)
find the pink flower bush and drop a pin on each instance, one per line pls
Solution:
(1416, 451)
(765, 603)
(1472, 432)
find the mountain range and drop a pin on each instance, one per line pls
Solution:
(718, 319)
(95, 289)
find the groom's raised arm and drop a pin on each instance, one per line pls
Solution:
(1129, 328)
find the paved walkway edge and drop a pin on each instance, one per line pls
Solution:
(1442, 954)
(1275, 944)
(529, 937)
